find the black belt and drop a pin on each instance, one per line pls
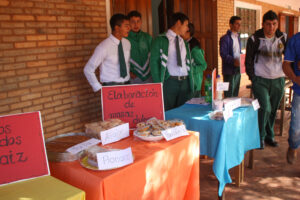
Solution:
(179, 78)
(115, 83)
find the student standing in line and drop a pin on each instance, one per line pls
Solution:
(170, 63)
(198, 60)
(291, 67)
(111, 56)
(140, 50)
(264, 68)
(230, 51)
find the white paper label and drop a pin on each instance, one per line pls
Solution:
(115, 134)
(227, 114)
(222, 86)
(114, 159)
(231, 105)
(83, 145)
(174, 132)
(255, 104)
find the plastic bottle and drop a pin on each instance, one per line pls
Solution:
(208, 89)
(219, 93)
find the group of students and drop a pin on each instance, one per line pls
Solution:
(266, 70)
(176, 60)
(129, 56)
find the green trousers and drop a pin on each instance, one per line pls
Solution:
(269, 93)
(234, 84)
(176, 93)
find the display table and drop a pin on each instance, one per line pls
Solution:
(42, 188)
(161, 170)
(226, 142)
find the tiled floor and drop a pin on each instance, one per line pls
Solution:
(271, 179)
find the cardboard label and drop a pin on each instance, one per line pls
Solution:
(115, 134)
(114, 159)
(22, 148)
(133, 103)
(174, 132)
(83, 145)
(231, 105)
(255, 104)
(222, 86)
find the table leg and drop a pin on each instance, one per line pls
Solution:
(237, 171)
(251, 159)
(242, 170)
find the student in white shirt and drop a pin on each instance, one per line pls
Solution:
(111, 56)
(170, 63)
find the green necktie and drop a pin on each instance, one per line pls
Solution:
(123, 71)
(178, 54)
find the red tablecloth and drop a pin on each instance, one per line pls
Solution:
(161, 170)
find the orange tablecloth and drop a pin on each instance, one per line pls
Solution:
(161, 170)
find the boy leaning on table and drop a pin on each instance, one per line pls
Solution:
(170, 63)
(111, 56)
(291, 67)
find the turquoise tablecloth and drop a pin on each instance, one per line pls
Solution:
(226, 142)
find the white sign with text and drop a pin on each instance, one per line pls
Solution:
(83, 145)
(231, 105)
(222, 86)
(174, 132)
(114, 159)
(255, 104)
(115, 134)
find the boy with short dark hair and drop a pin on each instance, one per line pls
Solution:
(140, 50)
(111, 56)
(264, 67)
(170, 63)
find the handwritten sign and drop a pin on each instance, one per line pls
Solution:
(22, 148)
(83, 145)
(231, 105)
(174, 132)
(114, 159)
(255, 104)
(132, 103)
(115, 134)
(222, 86)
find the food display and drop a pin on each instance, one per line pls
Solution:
(57, 146)
(151, 129)
(244, 101)
(217, 115)
(93, 129)
(88, 158)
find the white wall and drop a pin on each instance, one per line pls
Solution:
(288, 4)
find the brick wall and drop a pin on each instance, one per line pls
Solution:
(44, 45)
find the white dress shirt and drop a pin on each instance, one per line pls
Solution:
(106, 57)
(236, 46)
(173, 68)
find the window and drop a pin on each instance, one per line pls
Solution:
(248, 25)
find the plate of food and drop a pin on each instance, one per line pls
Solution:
(216, 115)
(152, 128)
(88, 157)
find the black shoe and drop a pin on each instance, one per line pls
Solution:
(262, 144)
(271, 143)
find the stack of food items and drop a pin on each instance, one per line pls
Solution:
(91, 155)
(93, 129)
(153, 127)
(56, 146)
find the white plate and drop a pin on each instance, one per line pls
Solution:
(150, 138)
